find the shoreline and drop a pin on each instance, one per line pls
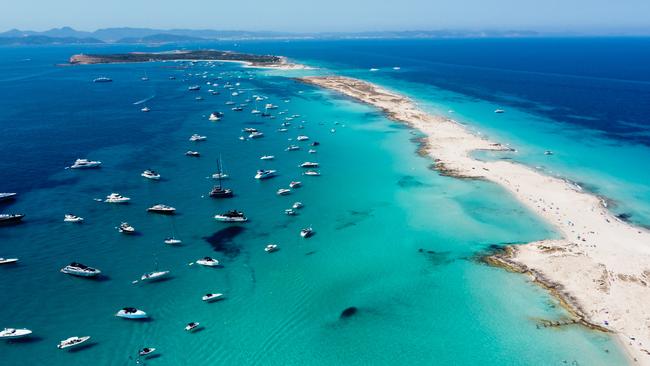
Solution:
(600, 268)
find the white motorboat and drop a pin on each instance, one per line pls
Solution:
(116, 198)
(72, 342)
(220, 176)
(255, 111)
(196, 138)
(190, 327)
(162, 209)
(397, 68)
(312, 151)
(292, 148)
(267, 157)
(265, 174)
(102, 79)
(13, 333)
(11, 218)
(548, 152)
(6, 196)
(231, 216)
(295, 184)
(131, 313)
(72, 218)
(499, 111)
(283, 192)
(208, 262)
(249, 129)
(85, 164)
(309, 164)
(146, 351)
(125, 228)
(290, 212)
(255, 135)
(282, 130)
(154, 276)
(194, 154)
(150, 174)
(297, 205)
(215, 116)
(212, 297)
(302, 138)
(270, 106)
(236, 109)
(271, 248)
(312, 173)
(80, 270)
(145, 109)
(193, 88)
(8, 260)
(173, 241)
(374, 69)
(307, 232)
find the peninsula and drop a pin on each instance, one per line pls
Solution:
(599, 269)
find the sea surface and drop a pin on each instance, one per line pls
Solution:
(394, 239)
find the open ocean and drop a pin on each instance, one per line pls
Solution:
(393, 238)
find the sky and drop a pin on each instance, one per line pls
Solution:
(592, 16)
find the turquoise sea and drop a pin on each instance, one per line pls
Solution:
(393, 238)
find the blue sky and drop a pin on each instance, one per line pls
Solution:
(599, 16)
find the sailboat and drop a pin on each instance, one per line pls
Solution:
(219, 191)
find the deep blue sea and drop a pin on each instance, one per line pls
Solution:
(393, 238)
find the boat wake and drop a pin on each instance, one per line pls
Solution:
(144, 100)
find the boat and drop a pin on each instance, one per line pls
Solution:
(290, 212)
(292, 148)
(198, 98)
(116, 198)
(265, 174)
(397, 68)
(73, 218)
(307, 232)
(193, 88)
(172, 241)
(72, 342)
(548, 152)
(220, 176)
(145, 109)
(208, 262)
(162, 209)
(150, 174)
(282, 130)
(374, 69)
(102, 79)
(295, 184)
(255, 135)
(85, 164)
(309, 164)
(499, 111)
(194, 154)
(146, 351)
(271, 248)
(230, 102)
(312, 151)
(283, 192)
(267, 157)
(249, 129)
(10, 218)
(190, 327)
(231, 216)
(215, 116)
(144, 78)
(80, 270)
(6, 196)
(297, 205)
(270, 106)
(302, 138)
(237, 109)
(312, 173)
(13, 333)
(220, 192)
(131, 313)
(8, 260)
(212, 297)
(154, 276)
(125, 228)
(255, 111)
(196, 138)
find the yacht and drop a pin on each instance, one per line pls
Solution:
(231, 216)
(8, 260)
(172, 241)
(312, 173)
(265, 174)
(255, 135)
(309, 164)
(5, 196)
(162, 209)
(85, 164)
(307, 232)
(196, 138)
(271, 248)
(212, 297)
(194, 154)
(499, 111)
(193, 88)
(283, 192)
(215, 116)
(116, 198)
(10, 218)
(295, 184)
(73, 218)
(154, 276)
(13, 333)
(290, 212)
(267, 157)
(102, 79)
(131, 313)
(220, 176)
(125, 228)
(146, 351)
(297, 205)
(190, 327)
(220, 192)
(78, 269)
(302, 138)
(72, 342)
(292, 148)
(208, 262)
(150, 174)
(145, 109)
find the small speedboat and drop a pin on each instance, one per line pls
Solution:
(548, 152)
(172, 241)
(80, 270)
(10, 218)
(162, 209)
(197, 138)
(190, 327)
(116, 198)
(6, 196)
(72, 342)
(154, 276)
(212, 297)
(102, 79)
(290, 212)
(231, 216)
(297, 205)
(208, 262)
(282, 130)
(72, 218)
(265, 174)
(309, 164)
(85, 164)
(194, 154)
(237, 109)
(146, 351)
(270, 106)
(271, 248)
(312, 151)
(8, 260)
(230, 102)
(215, 116)
(312, 173)
(255, 111)
(13, 333)
(292, 148)
(125, 228)
(307, 232)
(283, 192)
(150, 174)
(145, 109)
(499, 111)
(302, 138)
(295, 184)
(131, 313)
(249, 129)
(255, 135)
(193, 88)
(267, 157)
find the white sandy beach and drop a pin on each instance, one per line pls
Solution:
(600, 269)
